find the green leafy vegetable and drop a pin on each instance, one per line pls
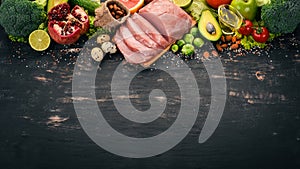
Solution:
(281, 16)
(248, 43)
(95, 31)
(20, 17)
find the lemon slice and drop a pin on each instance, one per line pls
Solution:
(39, 40)
(183, 3)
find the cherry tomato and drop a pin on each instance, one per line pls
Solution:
(246, 28)
(260, 34)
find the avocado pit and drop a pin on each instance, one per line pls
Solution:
(210, 28)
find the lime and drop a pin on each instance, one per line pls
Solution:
(39, 40)
(183, 3)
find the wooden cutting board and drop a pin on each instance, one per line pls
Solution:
(154, 59)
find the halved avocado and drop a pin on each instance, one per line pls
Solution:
(52, 3)
(209, 27)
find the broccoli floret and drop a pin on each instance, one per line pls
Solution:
(281, 16)
(20, 17)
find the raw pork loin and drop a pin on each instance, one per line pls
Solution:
(145, 35)
(170, 20)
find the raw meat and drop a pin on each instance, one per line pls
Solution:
(136, 56)
(144, 36)
(135, 45)
(170, 20)
(140, 35)
(150, 30)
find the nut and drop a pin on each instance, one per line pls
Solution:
(234, 46)
(106, 14)
(228, 38)
(233, 40)
(119, 12)
(116, 11)
(223, 38)
(224, 45)
(219, 48)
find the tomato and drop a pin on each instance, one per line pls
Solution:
(246, 28)
(260, 34)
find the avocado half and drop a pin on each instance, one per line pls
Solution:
(209, 27)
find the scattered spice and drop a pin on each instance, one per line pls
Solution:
(206, 54)
(215, 53)
(260, 75)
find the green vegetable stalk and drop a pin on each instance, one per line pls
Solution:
(20, 17)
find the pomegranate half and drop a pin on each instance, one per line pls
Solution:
(65, 26)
